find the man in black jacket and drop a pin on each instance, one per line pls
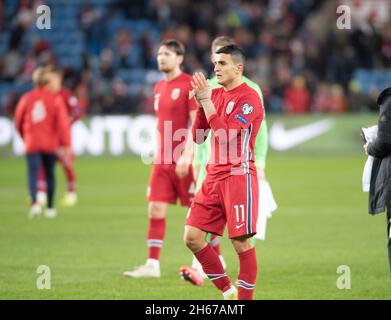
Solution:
(380, 148)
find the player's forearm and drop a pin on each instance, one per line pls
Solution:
(208, 107)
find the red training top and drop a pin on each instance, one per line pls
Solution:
(42, 121)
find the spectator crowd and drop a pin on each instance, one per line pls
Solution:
(294, 49)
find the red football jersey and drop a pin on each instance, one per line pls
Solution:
(75, 112)
(239, 114)
(41, 119)
(172, 106)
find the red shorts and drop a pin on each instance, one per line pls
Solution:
(166, 186)
(232, 201)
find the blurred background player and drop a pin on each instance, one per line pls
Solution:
(75, 112)
(41, 120)
(195, 274)
(172, 175)
(229, 193)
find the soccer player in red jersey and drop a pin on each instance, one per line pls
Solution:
(171, 178)
(229, 194)
(75, 112)
(40, 119)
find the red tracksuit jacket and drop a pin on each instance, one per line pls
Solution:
(42, 121)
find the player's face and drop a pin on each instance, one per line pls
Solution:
(167, 60)
(55, 82)
(225, 68)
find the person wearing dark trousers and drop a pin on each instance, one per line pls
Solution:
(34, 162)
(41, 120)
(380, 149)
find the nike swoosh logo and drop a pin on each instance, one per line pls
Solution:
(281, 139)
(239, 226)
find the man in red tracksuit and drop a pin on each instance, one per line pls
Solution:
(75, 112)
(40, 119)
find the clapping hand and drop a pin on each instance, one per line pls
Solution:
(201, 88)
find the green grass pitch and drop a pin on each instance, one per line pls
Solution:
(321, 223)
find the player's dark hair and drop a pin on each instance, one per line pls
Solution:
(235, 51)
(174, 45)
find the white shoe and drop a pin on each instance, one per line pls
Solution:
(42, 198)
(35, 211)
(144, 271)
(231, 294)
(50, 213)
(70, 199)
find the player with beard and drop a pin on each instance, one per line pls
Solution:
(172, 177)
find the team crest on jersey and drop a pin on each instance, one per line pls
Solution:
(247, 109)
(175, 93)
(230, 107)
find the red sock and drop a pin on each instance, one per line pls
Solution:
(156, 232)
(71, 177)
(71, 186)
(215, 243)
(247, 274)
(213, 268)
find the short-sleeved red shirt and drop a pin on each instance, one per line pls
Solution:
(172, 106)
(239, 114)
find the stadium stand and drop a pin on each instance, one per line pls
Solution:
(294, 49)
